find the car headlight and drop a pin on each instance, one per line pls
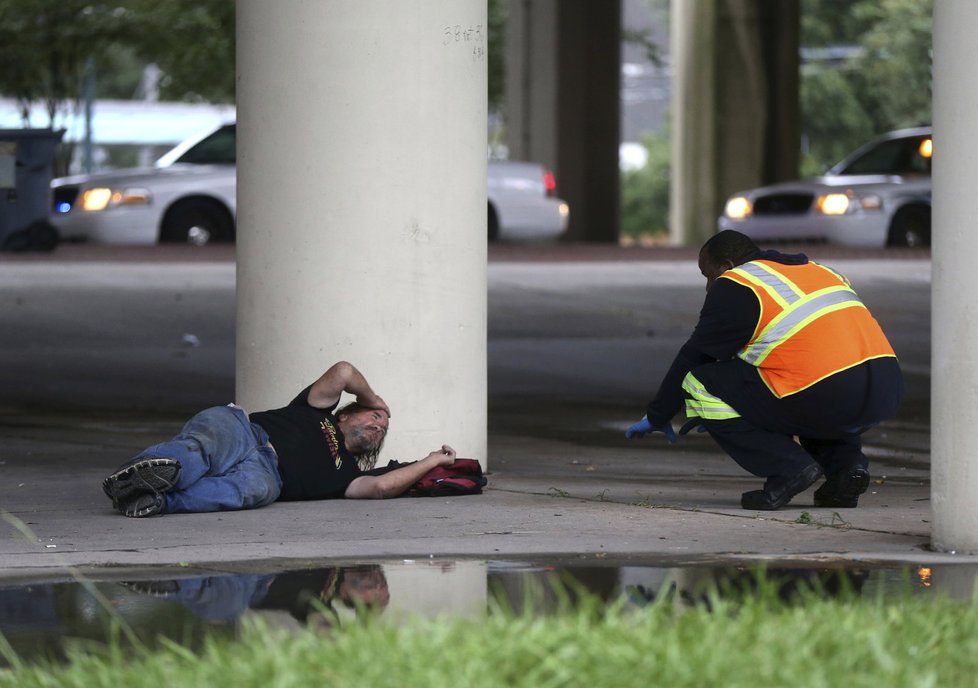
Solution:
(842, 203)
(738, 208)
(833, 204)
(100, 198)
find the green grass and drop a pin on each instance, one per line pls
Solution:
(917, 641)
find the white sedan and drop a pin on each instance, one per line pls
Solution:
(878, 196)
(189, 197)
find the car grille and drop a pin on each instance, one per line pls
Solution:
(64, 198)
(783, 204)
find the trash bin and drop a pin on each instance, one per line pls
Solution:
(26, 165)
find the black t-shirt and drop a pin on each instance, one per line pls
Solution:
(312, 457)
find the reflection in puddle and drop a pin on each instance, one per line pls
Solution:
(47, 619)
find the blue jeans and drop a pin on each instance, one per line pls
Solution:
(225, 463)
(222, 598)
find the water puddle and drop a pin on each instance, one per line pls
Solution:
(45, 619)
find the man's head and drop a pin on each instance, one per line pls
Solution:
(364, 430)
(363, 586)
(724, 251)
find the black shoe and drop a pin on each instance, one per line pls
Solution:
(146, 504)
(770, 499)
(146, 475)
(842, 490)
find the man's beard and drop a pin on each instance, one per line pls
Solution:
(365, 449)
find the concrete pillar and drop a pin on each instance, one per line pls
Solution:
(432, 588)
(588, 112)
(954, 313)
(531, 81)
(563, 66)
(956, 581)
(735, 111)
(692, 193)
(361, 208)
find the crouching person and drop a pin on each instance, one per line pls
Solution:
(224, 459)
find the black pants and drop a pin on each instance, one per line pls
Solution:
(828, 417)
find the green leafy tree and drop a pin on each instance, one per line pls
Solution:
(882, 82)
(193, 44)
(896, 70)
(834, 121)
(645, 192)
(832, 22)
(45, 44)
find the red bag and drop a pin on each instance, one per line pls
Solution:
(463, 477)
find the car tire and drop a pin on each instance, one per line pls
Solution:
(493, 224)
(910, 227)
(197, 221)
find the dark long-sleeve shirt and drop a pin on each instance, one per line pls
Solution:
(727, 321)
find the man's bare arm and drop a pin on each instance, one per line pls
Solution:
(344, 377)
(396, 482)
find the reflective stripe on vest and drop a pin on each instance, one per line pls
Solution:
(702, 404)
(799, 315)
(811, 324)
(781, 290)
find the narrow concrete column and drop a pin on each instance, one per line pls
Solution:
(588, 117)
(735, 112)
(563, 103)
(531, 81)
(692, 194)
(954, 313)
(362, 208)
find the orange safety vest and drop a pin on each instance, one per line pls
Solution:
(812, 324)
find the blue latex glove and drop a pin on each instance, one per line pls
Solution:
(642, 427)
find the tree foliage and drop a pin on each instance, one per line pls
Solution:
(896, 70)
(46, 44)
(193, 44)
(881, 82)
(645, 191)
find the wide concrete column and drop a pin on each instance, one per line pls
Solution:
(954, 365)
(361, 208)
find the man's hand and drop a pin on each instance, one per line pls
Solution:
(397, 481)
(641, 428)
(373, 401)
(444, 456)
(344, 377)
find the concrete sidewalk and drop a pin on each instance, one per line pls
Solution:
(546, 499)
(563, 480)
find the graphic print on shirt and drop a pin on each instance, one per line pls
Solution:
(332, 441)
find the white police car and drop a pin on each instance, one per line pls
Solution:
(880, 195)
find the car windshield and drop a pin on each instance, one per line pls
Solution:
(903, 156)
(216, 149)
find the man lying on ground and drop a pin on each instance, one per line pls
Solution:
(224, 459)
